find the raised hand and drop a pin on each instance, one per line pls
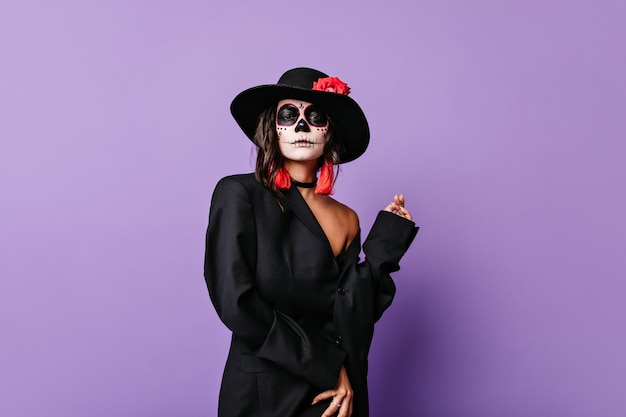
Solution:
(397, 207)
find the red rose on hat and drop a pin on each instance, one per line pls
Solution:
(331, 85)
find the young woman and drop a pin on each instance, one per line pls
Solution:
(282, 257)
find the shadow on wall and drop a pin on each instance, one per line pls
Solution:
(416, 351)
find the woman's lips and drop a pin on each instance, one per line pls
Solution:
(303, 142)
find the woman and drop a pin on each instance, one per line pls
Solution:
(282, 257)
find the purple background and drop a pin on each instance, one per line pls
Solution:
(502, 122)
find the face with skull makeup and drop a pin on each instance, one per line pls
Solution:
(302, 128)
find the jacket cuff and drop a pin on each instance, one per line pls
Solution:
(390, 224)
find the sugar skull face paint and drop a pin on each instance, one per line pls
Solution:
(289, 113)
(301, 128)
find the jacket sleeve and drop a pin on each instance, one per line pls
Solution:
(229, 270)
(388, 240)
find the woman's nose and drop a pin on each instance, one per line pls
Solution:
(302, 126)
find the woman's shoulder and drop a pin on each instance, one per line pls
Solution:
(237, 187)
(347, 215)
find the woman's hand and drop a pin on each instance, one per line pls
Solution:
(397, 207)
(341, 397)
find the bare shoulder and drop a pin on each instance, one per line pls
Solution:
(347, 216)
(339, 222)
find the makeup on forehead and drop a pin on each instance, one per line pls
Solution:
(298, 103)
(290, 113)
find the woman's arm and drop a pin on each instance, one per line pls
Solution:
(390, 237)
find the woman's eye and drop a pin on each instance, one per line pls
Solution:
(316, 118)
(287, 115)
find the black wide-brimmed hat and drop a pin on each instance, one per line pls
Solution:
(306, 84)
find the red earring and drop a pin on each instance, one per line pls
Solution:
(327, 179)
(282, 180)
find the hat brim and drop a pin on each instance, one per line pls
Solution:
(345, 113)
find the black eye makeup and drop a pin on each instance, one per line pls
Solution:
(315, 116)
(289, 114)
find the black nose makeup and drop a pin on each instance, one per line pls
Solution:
(302, 126)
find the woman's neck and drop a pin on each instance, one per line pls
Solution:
(302, 171)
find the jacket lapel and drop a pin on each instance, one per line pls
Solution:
(297, 204)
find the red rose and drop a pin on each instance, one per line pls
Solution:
(332, 85)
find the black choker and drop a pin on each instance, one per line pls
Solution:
(304, 184)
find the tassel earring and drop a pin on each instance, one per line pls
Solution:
(282, 180)
(327, 179)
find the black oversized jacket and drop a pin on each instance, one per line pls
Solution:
(297, 313)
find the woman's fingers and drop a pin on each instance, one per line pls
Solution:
(346, 406)
(398, 201)
(404, 213)
(323, 396)
(397, 207)
(332, 409)
(391, 207)
(341, 397)
(340, 405)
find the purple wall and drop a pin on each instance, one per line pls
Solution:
(501, 121)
